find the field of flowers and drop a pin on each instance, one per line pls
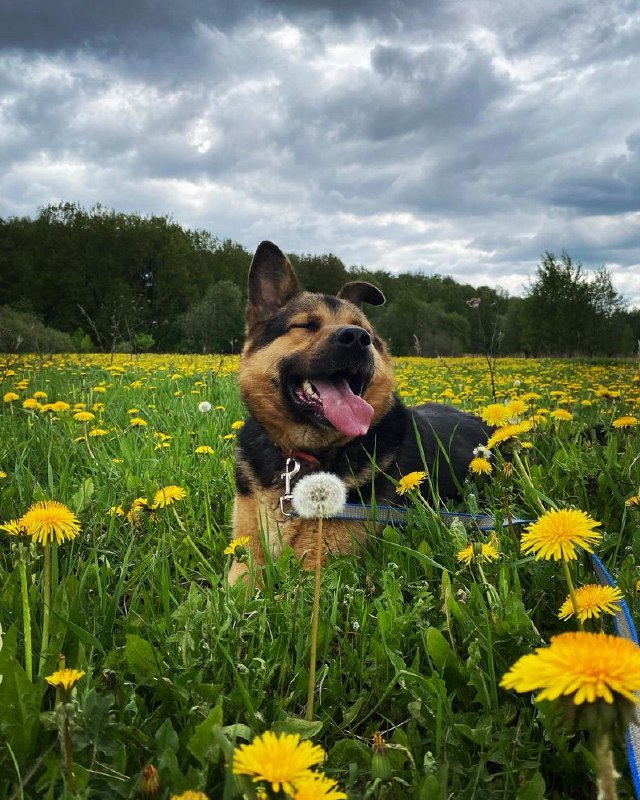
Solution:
(129, 668)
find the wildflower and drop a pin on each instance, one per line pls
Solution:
(60, 406)
(14, 528)
(480, 466)
(138, 422)
(150, 781)
(167, 496)
(278, 760)
(561, 415)
(40, 395)
(10, 397)
(241, 541)
(116, 511)
(496, 414)
(205, 449)
(633, 501)
(98, 432)
(410, 481)
(487, 551)
(49, 519)
(204, 407)
(2, 474)
(517, 407)
(31, 403)
(139, 505)
(239, 423)
(84, 416)
(584, 666)
(482, 452)
(190, 795)
(316, 786)
(592, 600)
(556, 534)
(320, 494)
(507, 432)
(133, 411)
(626, 421)
(65, 679)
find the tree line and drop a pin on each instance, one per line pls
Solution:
(76, 279)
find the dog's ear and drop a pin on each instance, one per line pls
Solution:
(272, 283)
(358, 292)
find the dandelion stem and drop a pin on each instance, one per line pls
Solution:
(86, 439)
(68, 754)
(527, 479)
(572, 592)
(46, 609)
(606, 770)
(26, 616)
(314, 624)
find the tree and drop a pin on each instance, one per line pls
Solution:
(215, 324)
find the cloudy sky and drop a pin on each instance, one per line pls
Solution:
(463, 137)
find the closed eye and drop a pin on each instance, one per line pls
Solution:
(310, 325)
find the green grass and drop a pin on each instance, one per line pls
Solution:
(412, 643)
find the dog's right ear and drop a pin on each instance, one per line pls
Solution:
(272, 283)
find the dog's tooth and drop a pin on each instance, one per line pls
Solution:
(308, 388)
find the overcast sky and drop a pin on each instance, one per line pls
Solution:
(463, 137)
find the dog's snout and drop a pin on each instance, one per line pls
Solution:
(353, 337)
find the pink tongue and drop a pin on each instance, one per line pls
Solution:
(346, 411)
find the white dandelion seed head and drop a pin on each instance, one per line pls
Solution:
(204, 406)
(482, 452)
(320, 494)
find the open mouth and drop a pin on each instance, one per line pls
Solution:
(335, 400)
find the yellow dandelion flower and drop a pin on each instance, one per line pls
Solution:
(99, 389)
(480, 466)
(277, 760)
(65, 679)
(633, 501)
(84, 416)
(316, 786)
(410, 481)
(592, 600)
(517, 407)
(133, 411)
(10, 397)
(561, 415)
(235, 426)
(59, 406)
(495, 414)
(98, 432)
(229, 436)
(116, 511)
(49, 520)
(556, 534)
(2, 474)
(476, 549)
(190, 795)
(585, 666)
(205, 449)
(167, 496)
(31, 403)
(241, 541)
(138, 422)
(13, 528)
(507, 432)
(626, 421)
(40, 395)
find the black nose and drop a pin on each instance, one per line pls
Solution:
(353, 337)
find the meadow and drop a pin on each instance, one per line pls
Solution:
(180, 670)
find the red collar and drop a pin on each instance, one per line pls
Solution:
(302, 456)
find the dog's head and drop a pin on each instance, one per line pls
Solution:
(313, 371)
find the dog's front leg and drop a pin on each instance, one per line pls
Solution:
(246, 523)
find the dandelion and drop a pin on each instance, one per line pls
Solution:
(586, 667)
(480, 466)
(14, 528)
(633, 501)
(205, 449)
(495, 414)
(240, 542)
(592, 600)
(98, 432)
(204, 407)
(316, 786)
(557, 533)
(627, 421)
(410, 481)
(40, 395)
(31, 403)
(487, 551)
(237, 425)
(190, 795)
(507, 432)
(49, 520)
(3, 474)
(10, 397)
(150, 781)
(517, 407)
(138, 422)
(65, 679)
(561, 415)
(278, 760)
(84, 416)
(318, 495)
(167, 496)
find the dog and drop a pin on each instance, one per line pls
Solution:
(318, 383)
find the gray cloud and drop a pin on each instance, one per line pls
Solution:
(464, 139)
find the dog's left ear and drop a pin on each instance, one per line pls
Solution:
(272, 283)
(358, 292)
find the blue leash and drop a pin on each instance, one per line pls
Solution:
(623, 624)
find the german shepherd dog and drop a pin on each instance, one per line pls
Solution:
(318, 383)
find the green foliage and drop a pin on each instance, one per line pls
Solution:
(21, 332)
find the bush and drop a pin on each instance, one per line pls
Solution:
(21, 332)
